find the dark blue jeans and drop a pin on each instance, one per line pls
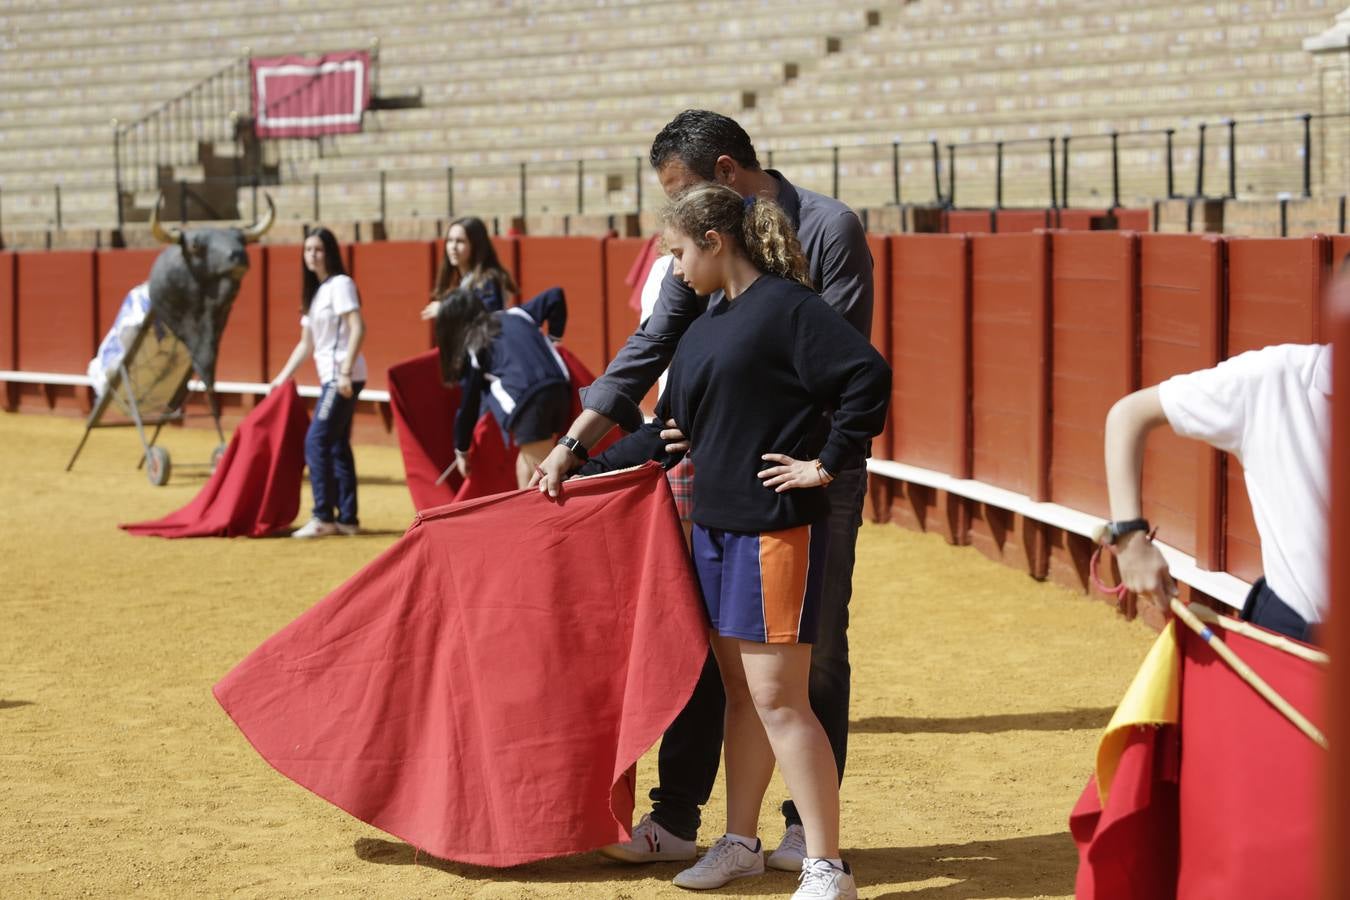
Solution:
(691, 748)
(1265, 608)
(328, 453)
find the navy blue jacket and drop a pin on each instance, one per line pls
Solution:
(519, 363)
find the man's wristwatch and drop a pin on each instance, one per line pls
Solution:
(1110, 533)
(575, 447)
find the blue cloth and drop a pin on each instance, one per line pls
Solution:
(328, 453)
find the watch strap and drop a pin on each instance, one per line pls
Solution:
(575, 447)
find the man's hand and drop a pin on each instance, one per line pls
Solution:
(675, 439)
(790, 473)
(462, 464)
(555, 468)
(1143, 571)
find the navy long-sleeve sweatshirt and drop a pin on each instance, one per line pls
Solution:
(755, 375)
(519, 362)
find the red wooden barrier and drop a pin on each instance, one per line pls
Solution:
(118, 272)
(56, 333)
(1275, 290)
(1134, 219)
(1076, 219)
(881, 328)
(930, 352)
(1018, 221)
(9, 323)
(1094, 305)
(508, 254)
(395, 279)
(1010, 360)
(243, 347)
(1337, 808)
(281, 287)
(968, 221)
(577, 265)
(1181, 304)
(621, 319)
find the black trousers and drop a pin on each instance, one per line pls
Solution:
(691, 748)
(1265, 608)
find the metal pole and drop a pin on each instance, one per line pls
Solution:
(383, 207)
(937, 171)
(637, 183)
(951, 175)
(895, 170)
(317, 217)
(255, 198)
(1200, 164)
(58, 206)
(1115, 170)
(522, 190)
(117, 169)
(581, 186)
(1171, 184)
(1054, 178)
(1064, 174)
(1232, 159)
(182, 201)
(450, 191)
(834, 163)
(998, 175)
(1307, 155)
(768, 159)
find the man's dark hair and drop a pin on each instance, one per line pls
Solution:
(696, 137)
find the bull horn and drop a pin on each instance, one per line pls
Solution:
(172, 235)
(255, 231)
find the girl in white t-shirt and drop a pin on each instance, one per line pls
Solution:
(331, 329)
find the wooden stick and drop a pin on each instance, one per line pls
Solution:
(1248, 630)
(1247, 674)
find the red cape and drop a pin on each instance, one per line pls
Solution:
(255, 488)
(424, 415)
(482, 689)
(1225, 805)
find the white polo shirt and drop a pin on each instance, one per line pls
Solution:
(335, 298)
(1271, 408)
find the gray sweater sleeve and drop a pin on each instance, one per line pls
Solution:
(645, 355)
(846, 271)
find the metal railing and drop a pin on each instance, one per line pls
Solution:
(1274, 157)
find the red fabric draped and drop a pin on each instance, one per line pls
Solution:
(424, 415)
(482, 689)
(1238, 815)
(255, 489)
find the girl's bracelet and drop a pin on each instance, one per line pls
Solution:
(824, 475)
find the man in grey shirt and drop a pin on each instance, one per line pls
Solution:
(698, 146)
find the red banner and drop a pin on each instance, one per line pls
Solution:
(296, 96)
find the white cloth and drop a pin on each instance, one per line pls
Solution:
(651, 289)
(335, 298)
(135, 307)
(1271, 408)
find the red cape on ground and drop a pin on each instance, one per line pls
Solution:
(255, 489)
(482, 689)
(1227, 805)
(424, 415)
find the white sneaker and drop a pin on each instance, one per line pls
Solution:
(651, 843)
(790, 853)
(348, 530)
(315, 528)
(725, 861)
(820, 880)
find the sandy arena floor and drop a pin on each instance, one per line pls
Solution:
(977, 699)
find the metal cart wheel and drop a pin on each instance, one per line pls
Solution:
(216, 454)
(157, 466)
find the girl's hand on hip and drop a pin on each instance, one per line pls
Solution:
(344, 385)
(791, 473)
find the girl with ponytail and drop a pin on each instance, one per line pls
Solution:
(776, 392)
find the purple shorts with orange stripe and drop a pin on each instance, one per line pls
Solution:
(762, 586)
